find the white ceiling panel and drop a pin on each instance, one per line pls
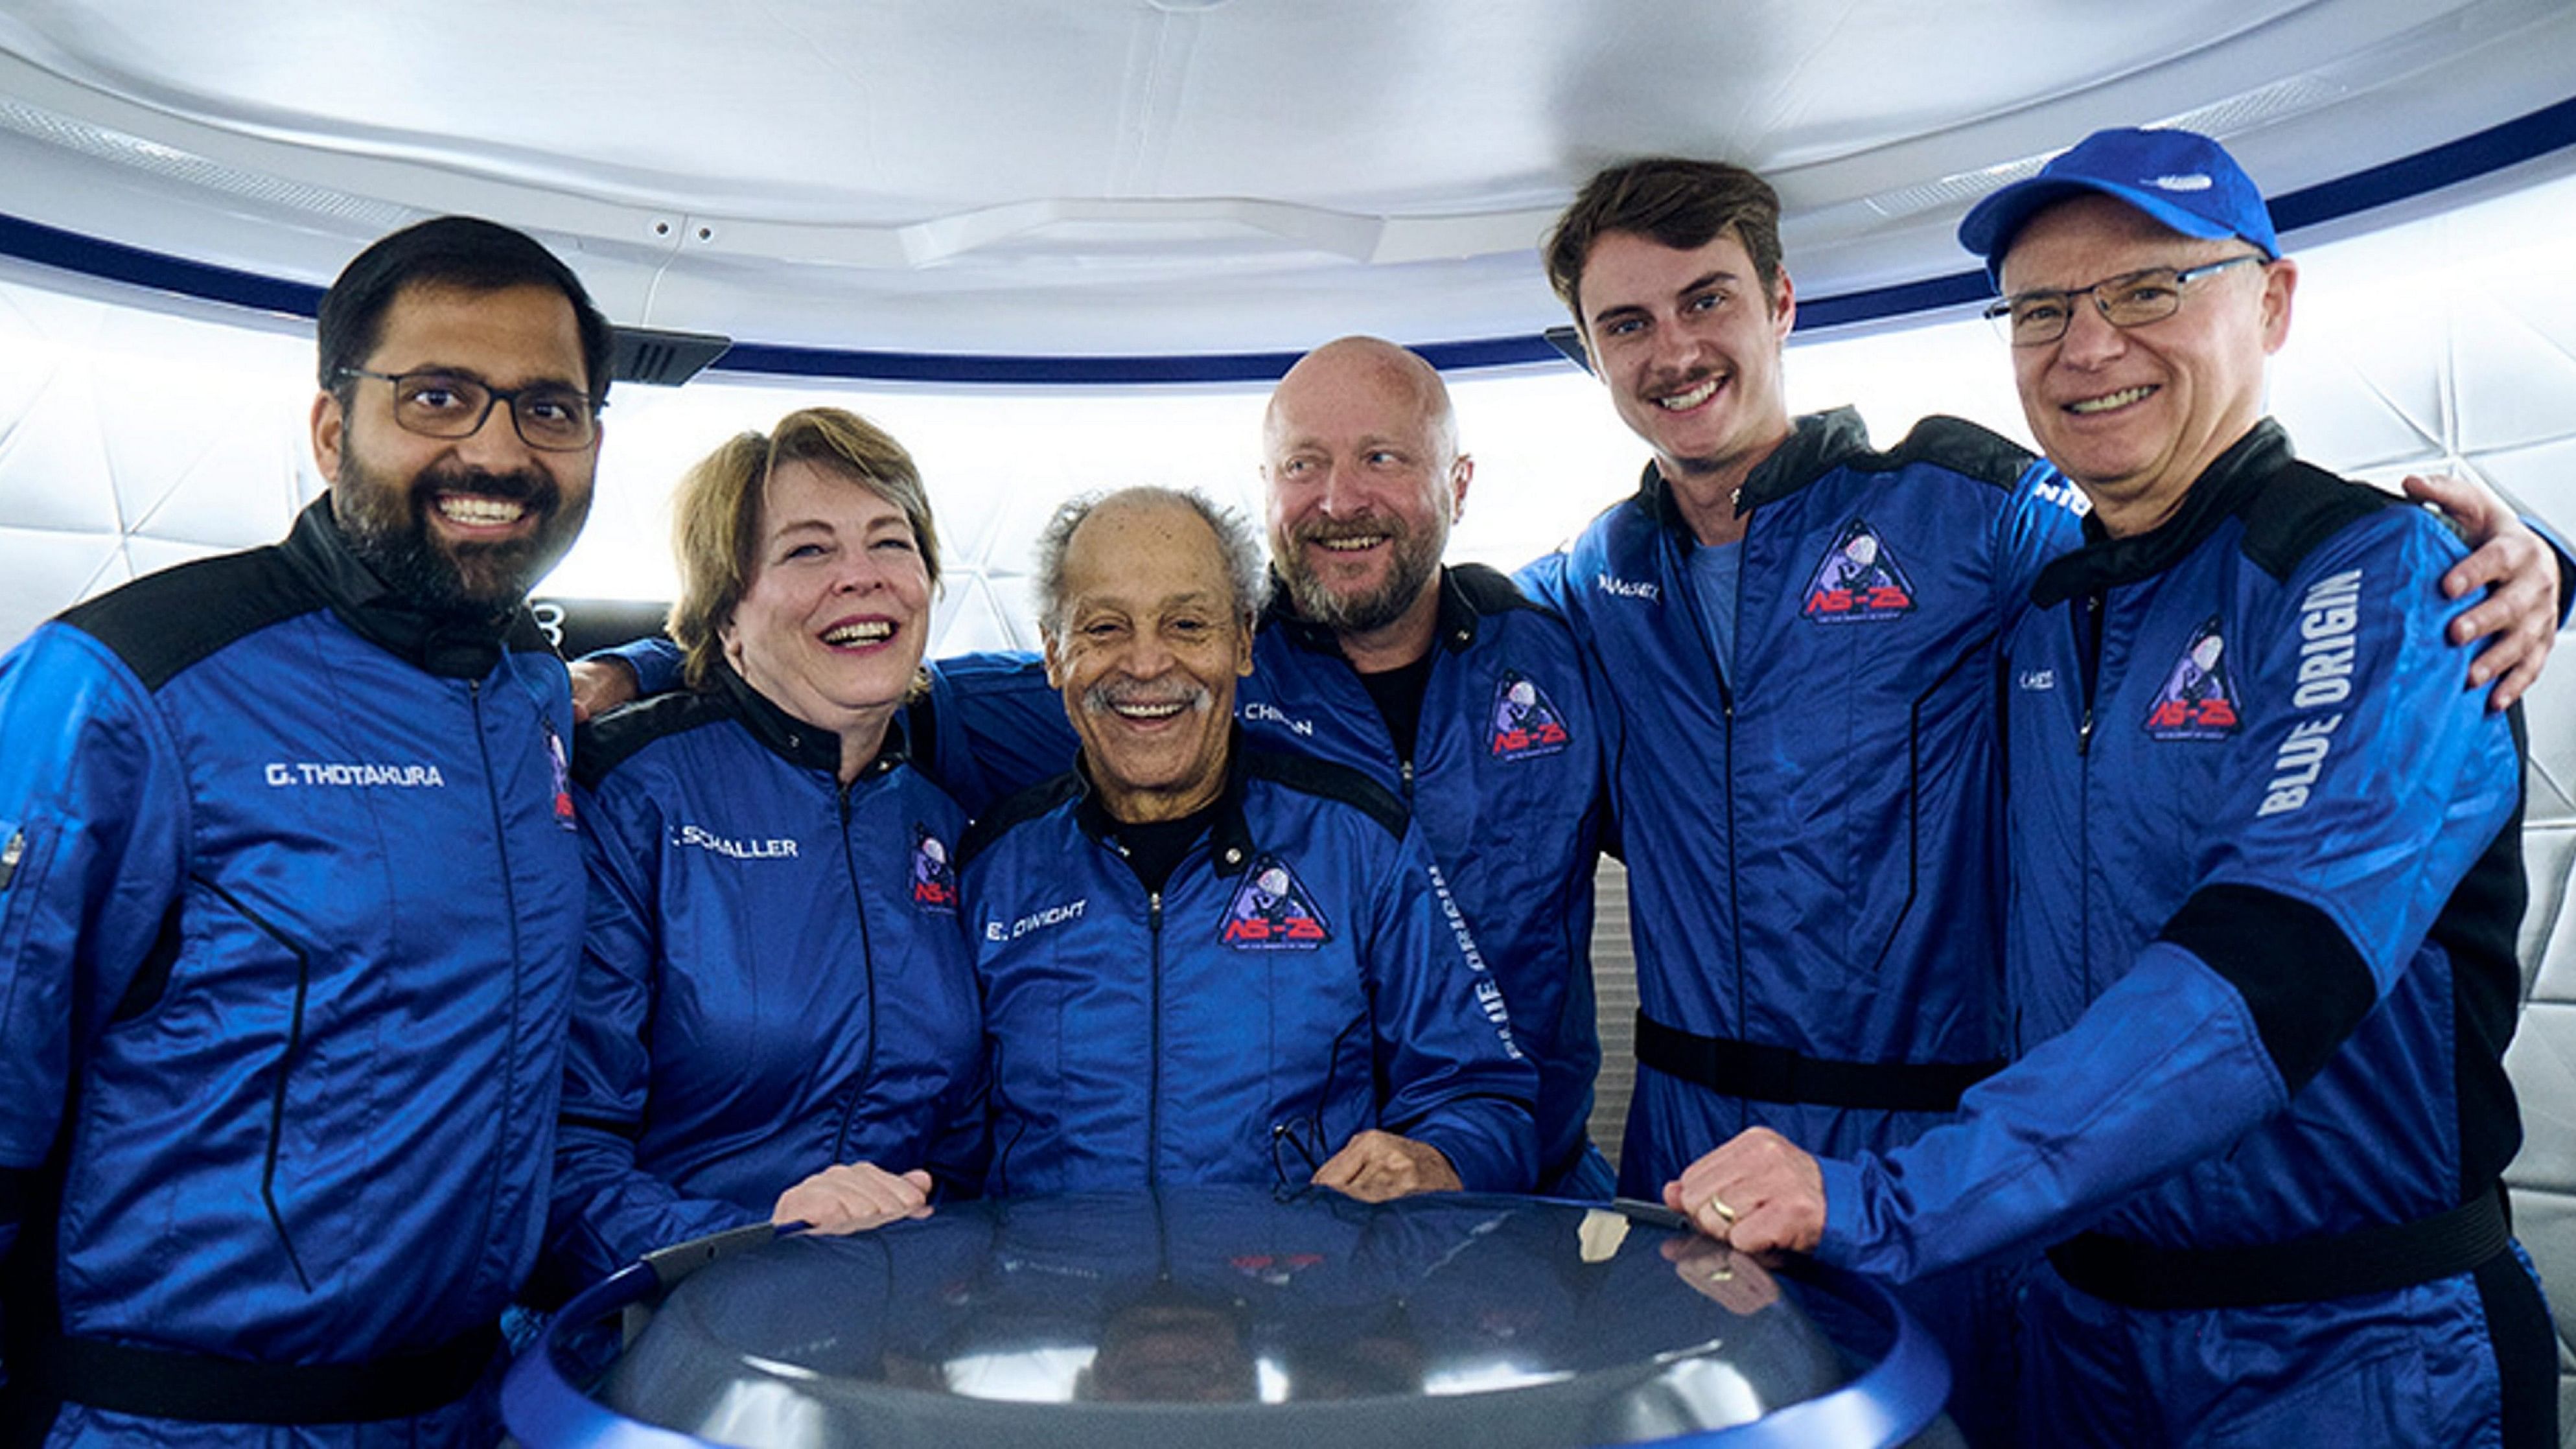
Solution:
(1077, 178)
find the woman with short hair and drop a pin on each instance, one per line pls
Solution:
(776, 1018)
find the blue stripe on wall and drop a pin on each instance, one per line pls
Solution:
(2521, 139)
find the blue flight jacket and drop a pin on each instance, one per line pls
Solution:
(1505, 782)
(1304, 975)
(774, 979)
(1814, 857)
(2266, 882)
(290, 899)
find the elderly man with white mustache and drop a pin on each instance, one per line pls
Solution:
(1208, 963)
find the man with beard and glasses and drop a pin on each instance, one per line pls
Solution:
(1206, 962)
(290, 900)
(1444, 685)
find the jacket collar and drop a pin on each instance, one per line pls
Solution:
(1229, 838)
(1815, 444)
(448, 643)
(2226, 486)
(806, 746)
(1456, 626)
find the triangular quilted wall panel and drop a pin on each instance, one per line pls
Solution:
(2514, 381)
(969, 619)
(54, 471)
(150, 555)
(2362, 387)
(2541, 478)
(239, 490)
(48, 571)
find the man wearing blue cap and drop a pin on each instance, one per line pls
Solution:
(2266, 863)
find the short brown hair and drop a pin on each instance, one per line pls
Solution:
(1679, 203)
(715, 524)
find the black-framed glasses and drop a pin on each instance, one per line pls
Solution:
(2132, 299)
(444, 405)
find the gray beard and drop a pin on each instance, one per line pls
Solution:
(1368, 612)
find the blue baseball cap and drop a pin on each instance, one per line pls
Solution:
(2181, 178)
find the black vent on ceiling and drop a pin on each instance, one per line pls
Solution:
(666, 359)
(1569, 341)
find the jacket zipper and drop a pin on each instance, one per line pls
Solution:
(868, 957)
(1687, 588)
(1154, 1087)
(510, 905)
(2088, 644)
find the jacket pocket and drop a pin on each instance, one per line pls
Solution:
(279, 1073)
(26, 849)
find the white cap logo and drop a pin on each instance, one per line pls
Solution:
(2194, 182)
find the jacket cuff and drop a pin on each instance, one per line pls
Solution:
(2566, 566)
(1842, 1211)
(1490, 1145)
(655, 662)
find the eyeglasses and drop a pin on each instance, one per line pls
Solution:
(2132, 299)
(444, 405)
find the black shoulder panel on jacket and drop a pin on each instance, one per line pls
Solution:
(1958, 445)
(921, 736)
(601, 745)
(1490, 591)
(1331, 781)
(1029, 804)
(2303, 979)
(164, 622)
(2478, 926)
(2298, 508)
